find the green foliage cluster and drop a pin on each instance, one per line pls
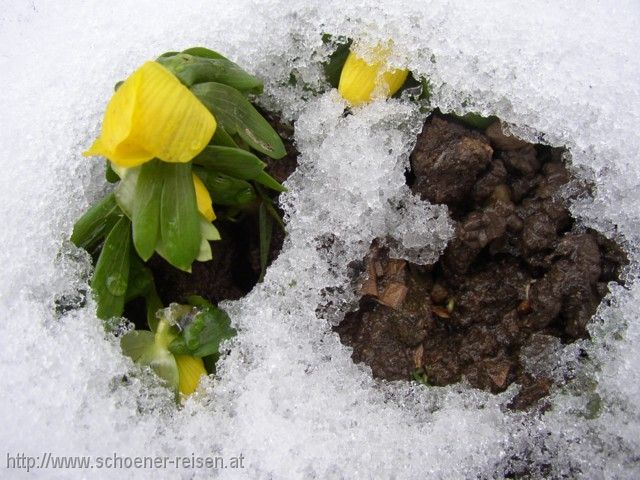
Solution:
(153, 209)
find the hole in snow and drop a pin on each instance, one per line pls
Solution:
(518, 279)
(235, 267)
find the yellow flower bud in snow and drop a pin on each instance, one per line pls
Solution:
(190, 369)
(361, 81)
(152, 115)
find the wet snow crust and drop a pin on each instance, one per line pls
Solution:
(288, 397)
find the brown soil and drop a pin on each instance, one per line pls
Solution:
(235, 267)
(515, 267)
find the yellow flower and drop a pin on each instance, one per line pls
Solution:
(152, 115)
(360, 81)
(203, 199)
(190, 369)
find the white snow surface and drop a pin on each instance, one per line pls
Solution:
(288, 397)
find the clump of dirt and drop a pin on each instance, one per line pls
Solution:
(516, 271)
(235, 267)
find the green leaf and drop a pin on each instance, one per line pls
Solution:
(111, 276)
(420, 376)
(204, 334)
(266, 230)
(163, 364)
(237, 116)
(204, 253)
(210, 362)
(153, 303)
(226, 190)
(192, 70)
(94, 225)
(110, 174)
(230, 161)
(147, 348)
(209, 233)
(268, 203)
(168, 54)
(333, 67)
(179, 217)
(268, 181)
(198, 301)
(417, 88)
(146, 208)
(140, 279)
(475, 120)
(136, 343)
(125, 193)
(179, 347)
(222, 138)
(204, 53)
(142, 284)
(275, 215)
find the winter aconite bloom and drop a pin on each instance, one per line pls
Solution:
(190, 369)
(361, 81)
(152, 115)
(182, 373)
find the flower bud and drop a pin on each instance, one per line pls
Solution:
(360, 81)
(152, 115)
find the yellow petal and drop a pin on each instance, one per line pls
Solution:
(153, 115)
(360, 81)
(190, 369)
(203, 198)
(393, 80)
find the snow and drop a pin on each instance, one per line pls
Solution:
(288, 396)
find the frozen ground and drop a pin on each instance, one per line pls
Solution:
(288, 397)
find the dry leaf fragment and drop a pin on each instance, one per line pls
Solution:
(417, 356)
(441, 312)
(394, 294)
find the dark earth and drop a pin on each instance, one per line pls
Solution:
(516, 266)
